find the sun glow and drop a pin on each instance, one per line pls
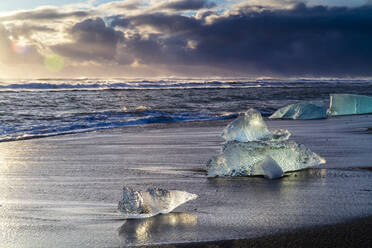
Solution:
(20, 46)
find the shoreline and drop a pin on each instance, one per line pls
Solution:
(63, 191)
(191, 123)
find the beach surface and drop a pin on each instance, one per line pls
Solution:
(63, 191)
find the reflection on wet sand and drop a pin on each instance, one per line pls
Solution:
(157, 228)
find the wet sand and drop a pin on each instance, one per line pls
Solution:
(356, 233)
(63, 191)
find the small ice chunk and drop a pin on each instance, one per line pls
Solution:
(301, 111)
(153, 201)
(239, 158)
(349, 104)
(268, 168)
(251, 127)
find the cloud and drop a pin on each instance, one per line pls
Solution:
(122, 5)
(45, 13)
(165, 22)
(182, 5)
(298, 41)
(276, 37)
(28, 29)
(92, 40)
(263, 4)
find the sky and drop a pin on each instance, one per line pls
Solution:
(197, 38)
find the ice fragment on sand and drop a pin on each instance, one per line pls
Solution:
(153, 201)
(268, 168)
(349, 104)
(251, 127)
(240, 158)
(251, 149)
(301, 111)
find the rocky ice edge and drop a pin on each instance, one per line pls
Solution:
(301, 111)
(153, 201)
(262, 152)
(349, 104)
(251, 127)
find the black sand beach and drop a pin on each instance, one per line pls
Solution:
(63, 191)
(356, 233)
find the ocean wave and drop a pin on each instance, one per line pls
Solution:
(82, 123)
(87, 84)
(134, 85)
(49, 107)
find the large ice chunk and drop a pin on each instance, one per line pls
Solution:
(153, 201)
(301, 111)
(349, 104)
(241, 158)
(251, 127)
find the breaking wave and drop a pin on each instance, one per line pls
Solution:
(49, 107)
(88, 84)
(98, 121)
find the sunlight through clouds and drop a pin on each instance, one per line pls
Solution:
(166, 36)
(20, 46)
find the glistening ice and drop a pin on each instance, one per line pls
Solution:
(153, 201)
(349, 104)
(263, 152)
(240, 158)
(251, 127)
(301, 111)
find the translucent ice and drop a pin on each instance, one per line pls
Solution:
(153, 201)
(301, 111)
(349, 104)
(251, 149)
(242, 158)
(251, 127)
(268, 168)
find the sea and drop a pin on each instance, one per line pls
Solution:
(49, 107)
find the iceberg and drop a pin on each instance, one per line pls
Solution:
(301, 111)
(349, 104)
(250, 159)
(153, 201)
(251, 127)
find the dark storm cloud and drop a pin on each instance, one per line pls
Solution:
(118, 21)
(93, 40)
(300, 41)
(167, 23)
(182, 5)
(95, 31)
